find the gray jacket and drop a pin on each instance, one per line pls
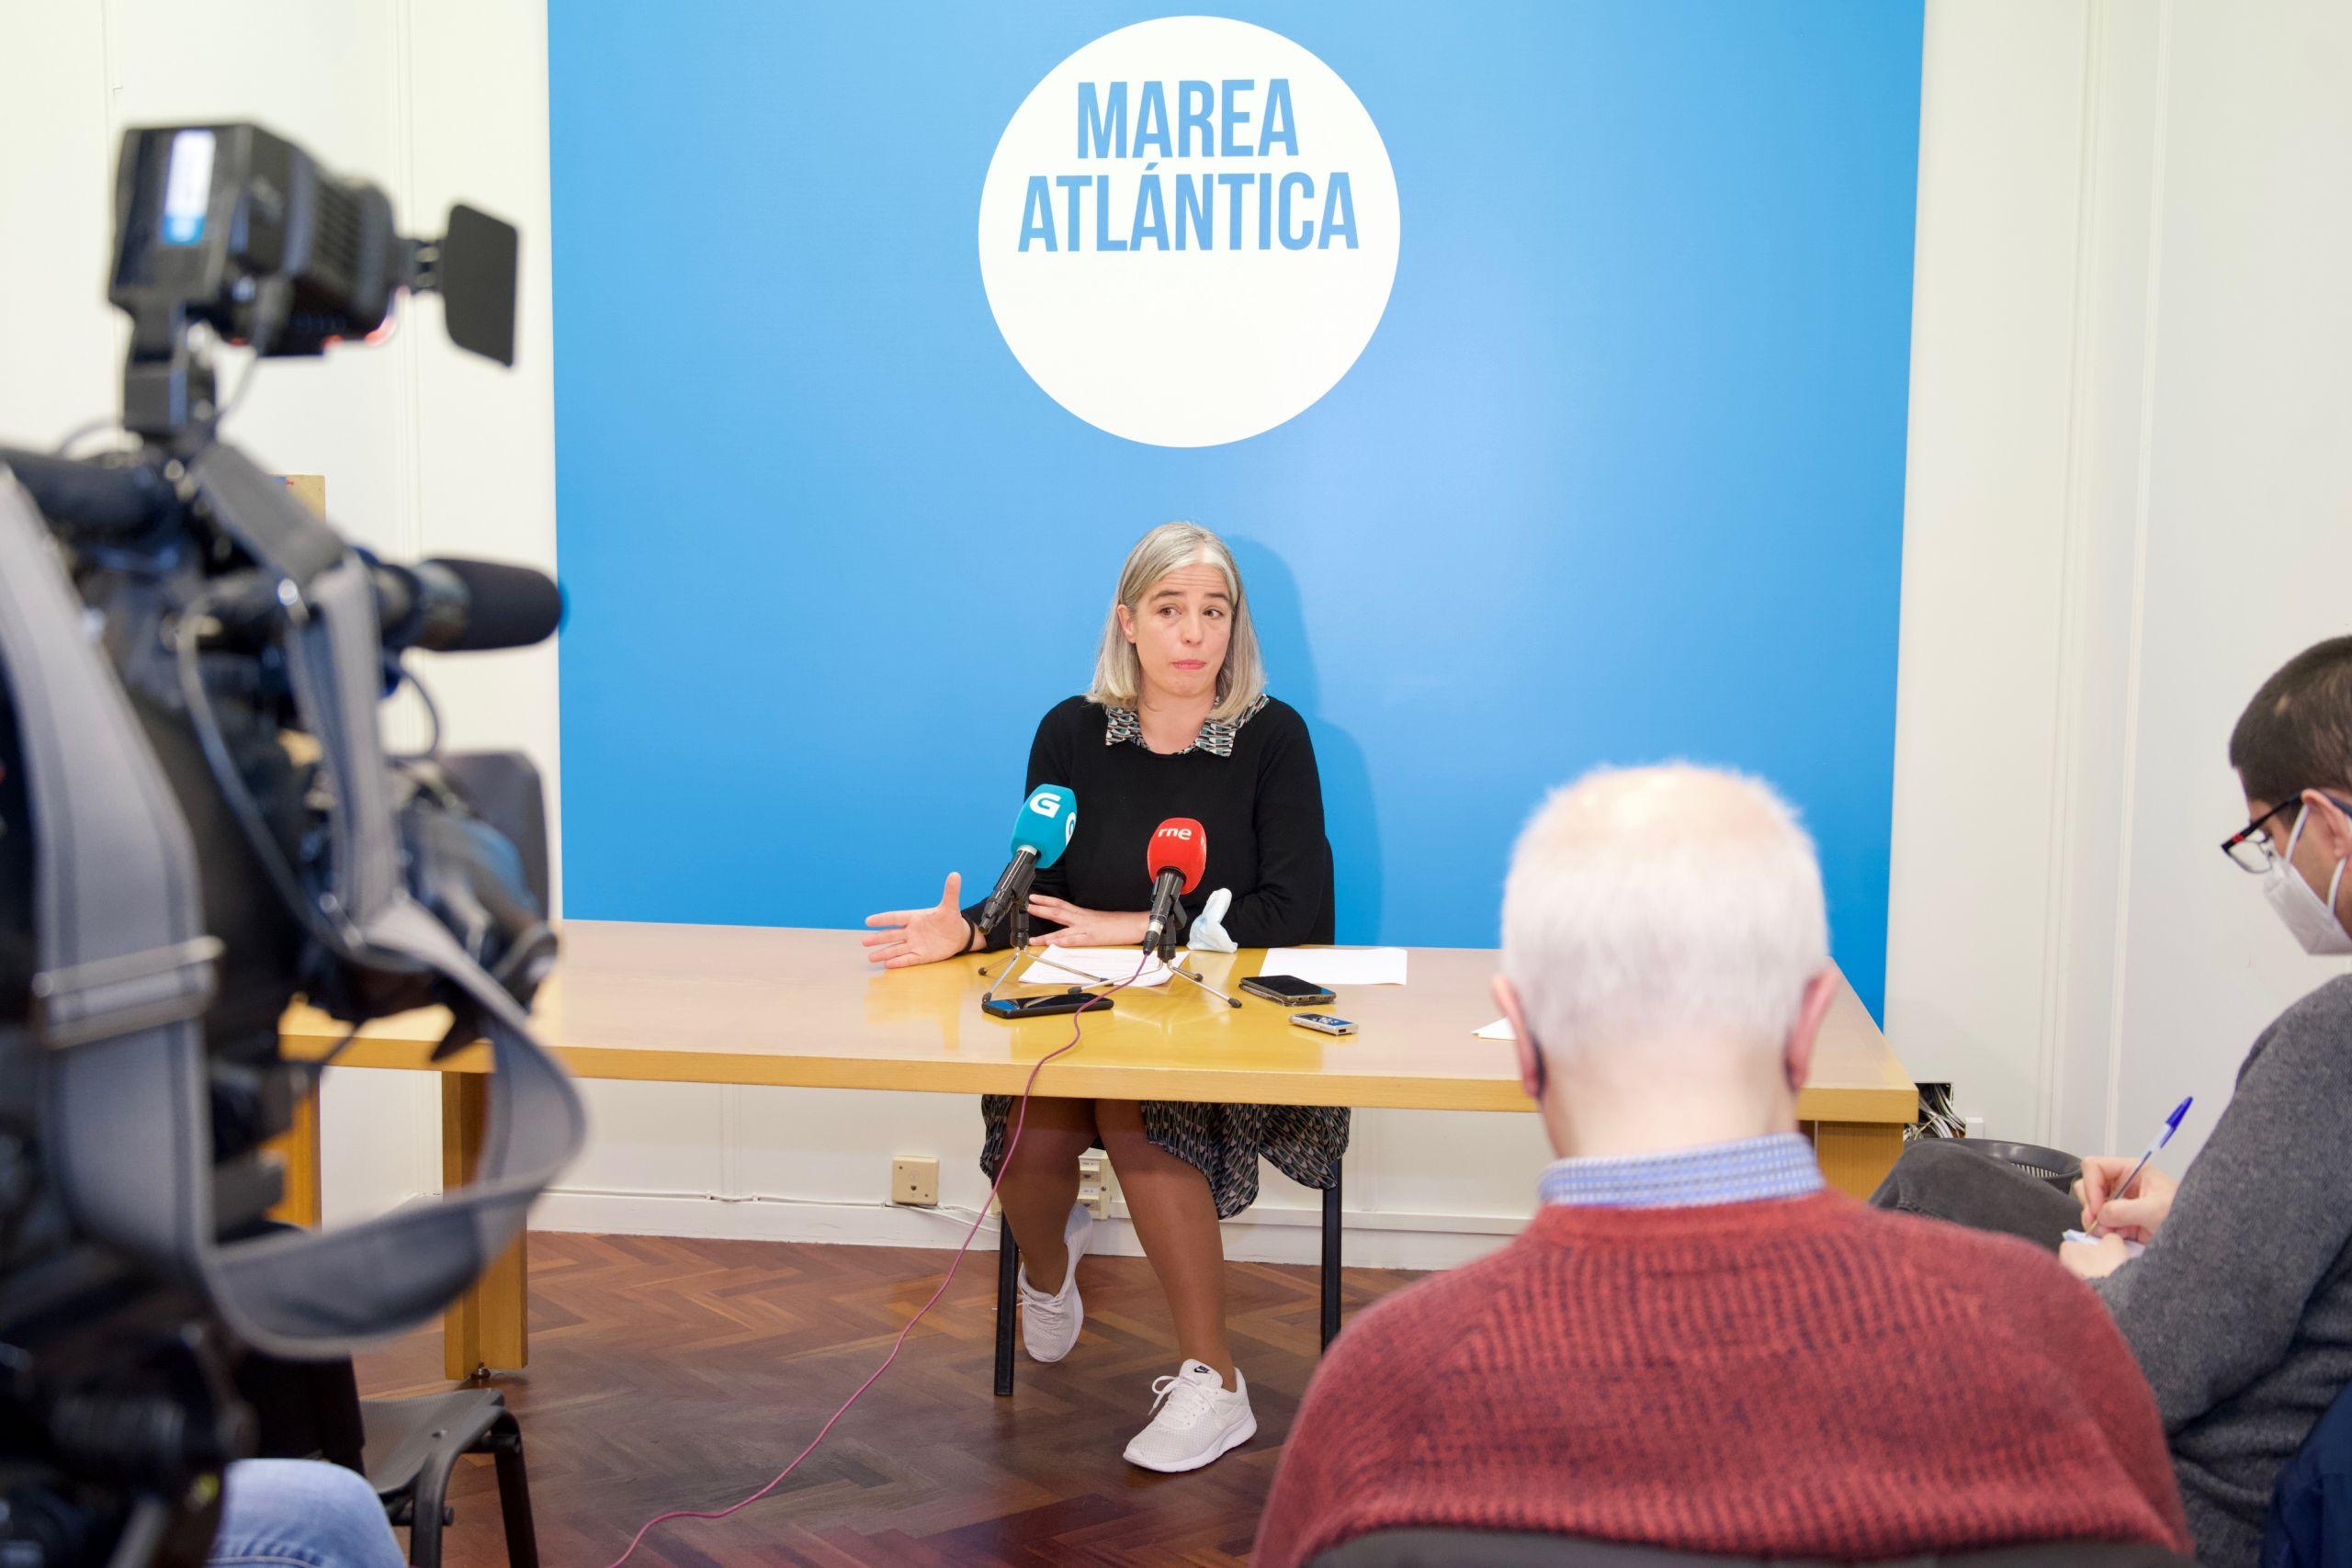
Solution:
(2241, 1309)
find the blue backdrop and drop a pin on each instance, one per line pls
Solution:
(1619, 477)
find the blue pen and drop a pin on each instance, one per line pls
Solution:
(2164, 1136)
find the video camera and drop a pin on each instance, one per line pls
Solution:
(197, 824)
(238, 230)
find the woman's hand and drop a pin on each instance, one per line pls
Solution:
(920, 936)
(1086, 928)
(2139, 1210)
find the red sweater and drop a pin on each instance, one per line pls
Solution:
(1801, 1377)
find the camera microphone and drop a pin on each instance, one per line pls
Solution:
(1040, 833)
(1178, 854)
(455, 606)
(447, 606)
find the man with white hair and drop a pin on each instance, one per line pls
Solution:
(1694, 1345)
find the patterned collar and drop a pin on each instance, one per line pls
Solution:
(1217, 735)
(1777, 1165)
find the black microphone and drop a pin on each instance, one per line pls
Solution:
(1178, 854)
(455, 606)
(449, 606)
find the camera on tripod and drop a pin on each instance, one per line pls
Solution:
(198, 823)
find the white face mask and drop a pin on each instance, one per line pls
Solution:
(2312, 921)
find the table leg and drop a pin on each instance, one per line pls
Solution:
(1008, 1267)
(1856, 1156)
(1331, 1257)
(297, 1154)
(487, 1329)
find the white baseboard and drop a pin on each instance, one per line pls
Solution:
(1262, 1234)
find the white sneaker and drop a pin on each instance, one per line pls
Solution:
(1050, 1324)
(1195, 1419)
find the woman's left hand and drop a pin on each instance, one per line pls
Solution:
(1086, 928)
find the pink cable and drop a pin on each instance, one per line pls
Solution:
(1020, 1119)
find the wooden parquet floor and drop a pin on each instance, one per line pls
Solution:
(670, 1373)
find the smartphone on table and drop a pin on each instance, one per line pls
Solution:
(1288, 989)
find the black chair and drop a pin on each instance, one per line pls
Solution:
(414, 1444)
(1511, 1549)
(406, 1447)
(2055, 1167)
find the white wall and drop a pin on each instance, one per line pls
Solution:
(426, 450)
(2129, 475)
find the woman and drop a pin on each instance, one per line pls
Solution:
(1178, 724)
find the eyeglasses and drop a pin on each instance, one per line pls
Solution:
(2250, 848)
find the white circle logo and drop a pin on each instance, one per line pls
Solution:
(1189, 231)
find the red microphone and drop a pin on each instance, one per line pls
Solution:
(1174, 859)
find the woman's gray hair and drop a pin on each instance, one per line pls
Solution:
(1118, 673)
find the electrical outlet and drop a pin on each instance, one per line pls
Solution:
(914, 1180)
(1094, 1186)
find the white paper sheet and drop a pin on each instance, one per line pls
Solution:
(1087, 965)
(1498, 1029)
(2131, 1248)
(1333, 967)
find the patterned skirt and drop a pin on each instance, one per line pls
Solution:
(1222, 1142)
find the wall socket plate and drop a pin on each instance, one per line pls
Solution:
(1094, 1186)
(914, 1181)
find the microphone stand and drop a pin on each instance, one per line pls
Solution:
(1166, 954)
(1204, 984)
(1017, 928)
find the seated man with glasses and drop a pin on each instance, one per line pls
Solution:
(2239, 1312)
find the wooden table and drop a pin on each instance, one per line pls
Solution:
(757, 1005)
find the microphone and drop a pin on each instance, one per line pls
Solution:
(1040, 834)
(451, 605)
(455, 605)
(1178, 854)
